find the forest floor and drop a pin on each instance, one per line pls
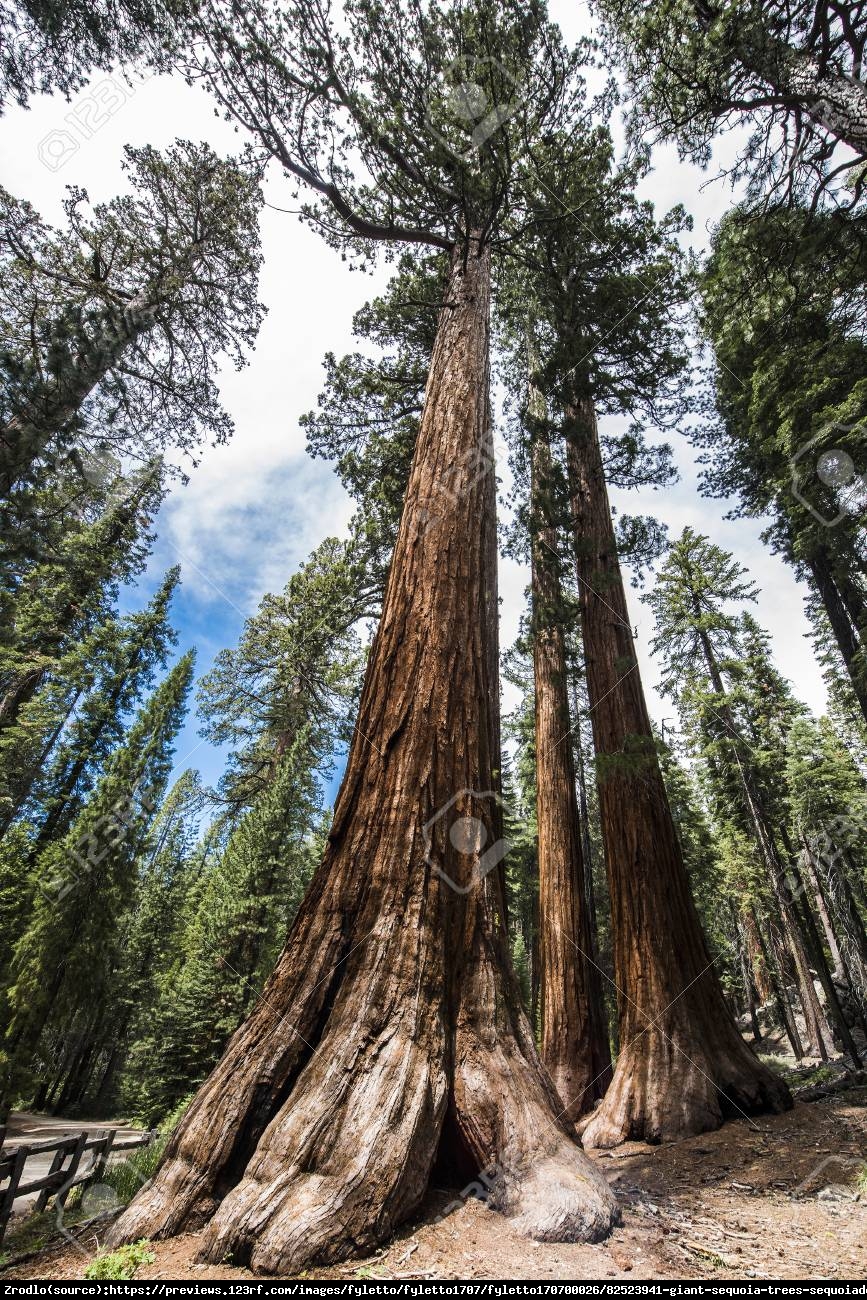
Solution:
(773, 1198)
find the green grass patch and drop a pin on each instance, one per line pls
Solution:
(120, 1265)
(798, 1077)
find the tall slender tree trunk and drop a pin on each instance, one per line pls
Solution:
(63, 807)
(574, 1036)
(749, 986)
(26, 436)
(843, 972)
(116, 528)
(839, 971)
(391, 1031)
(683, 1065)
(816, 951)
(22, 783)
(780, 959)
(818, 1030)
(844, 631)
(597, 991)
(852, 932)
(820, 1039)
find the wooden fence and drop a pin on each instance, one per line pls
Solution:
(66, 1169)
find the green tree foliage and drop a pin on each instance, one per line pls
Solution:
(397, 123)
(240, 915)
(702, 859)
(782, 308)
(59, 601)
(114, 326)
(82, 883)
(520, 829)
(828, 815)
(52, 45)
(294, 675)
(738, 712)
(53, 773)
(368, 413)
(789, 72)
(152, 928)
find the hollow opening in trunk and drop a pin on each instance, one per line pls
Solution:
(454, 1165)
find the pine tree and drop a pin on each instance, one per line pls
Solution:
(828, 813)
(53, 45)
(82, 883)
(151, 943)
(294, 676)
(122, 656)
(368, 414)
(114, 325)
(782, 308)
(519, 803)
(246, 902)
(61, 599)
(701, 644)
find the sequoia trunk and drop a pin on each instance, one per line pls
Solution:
(391, 1030)
(683, 1065)
(574, 1036)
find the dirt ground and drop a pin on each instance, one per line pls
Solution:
(774, 1198)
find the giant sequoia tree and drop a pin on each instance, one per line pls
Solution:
(391, 1031)
(607, 291)
(574, 1036)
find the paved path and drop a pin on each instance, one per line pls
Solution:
(23, 1127)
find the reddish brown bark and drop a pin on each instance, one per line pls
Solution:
(574, 1032)
(683, 1065)
(391, 1030)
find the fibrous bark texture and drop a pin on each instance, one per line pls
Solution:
(574, 1033)
(390, 1034)
(683, 1065)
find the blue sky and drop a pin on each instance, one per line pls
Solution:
(252, 511)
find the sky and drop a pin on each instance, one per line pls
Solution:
(253, 510)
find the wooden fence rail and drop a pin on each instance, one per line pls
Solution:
(66, 1169)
